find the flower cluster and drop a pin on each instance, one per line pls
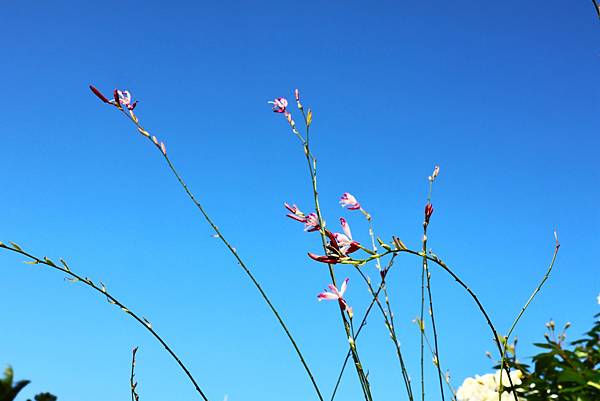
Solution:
(340, 244)
(485, 388)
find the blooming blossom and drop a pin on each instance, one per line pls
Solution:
(335, 294)
(349, 201)
(485, 388)
(345, 242)
(340, 245)
(311, 221)
(123, 98)
(279, 104)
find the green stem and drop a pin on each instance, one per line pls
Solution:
(132, 383)
(112, 300)
(523, 309)
(427, 274)
(362, 324)
(312, 167)
(240, 262)
(439, 262)
(389, 322)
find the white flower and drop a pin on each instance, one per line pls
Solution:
(485, 388)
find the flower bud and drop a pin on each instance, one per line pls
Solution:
(98, 94)
(428, 212)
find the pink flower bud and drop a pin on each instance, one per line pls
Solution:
(428, 212)
(98, 94)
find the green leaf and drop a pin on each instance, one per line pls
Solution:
(15, 246)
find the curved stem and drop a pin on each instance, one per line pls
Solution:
(440, 263)
(523, 309)
(111, 299)
(233, 251)
(596, 7)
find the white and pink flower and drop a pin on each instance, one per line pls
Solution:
(340, 245)
(335, 295)
(311, 220)
(123, 98)
(279, 104)
(349, 201)
(345, 242)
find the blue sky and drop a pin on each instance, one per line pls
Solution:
(503, 95)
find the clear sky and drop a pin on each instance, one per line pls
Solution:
(502, 95)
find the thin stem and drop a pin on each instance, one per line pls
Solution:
(523, 309)
(422, 321)
(362, 324)
(233, 252)
(432, 351)
(596, 7)
(112, 300)
(390, 326)
(132, 382)
(389, 321)
(312, 168)
(434, 258)
(427, 274)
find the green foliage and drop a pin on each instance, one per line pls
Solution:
(44, 397)
(10, 390)
(565, 372)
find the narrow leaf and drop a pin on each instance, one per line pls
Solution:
(15, 246)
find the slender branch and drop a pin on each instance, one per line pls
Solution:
(312, 168)
(389, 321)
(362, 324)
(422, 321)
(134, 395)
(231, 249)
(390, 326)
(433, 355)
(427, 273)
(524, 308)
(434, 258)
(596, 7)
(111, 299)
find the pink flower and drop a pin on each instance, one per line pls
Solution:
(340, 246)
(279, 104)
(349, 201)
(345, 242)
(311, 221)
(335, 294)
(123, 98)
